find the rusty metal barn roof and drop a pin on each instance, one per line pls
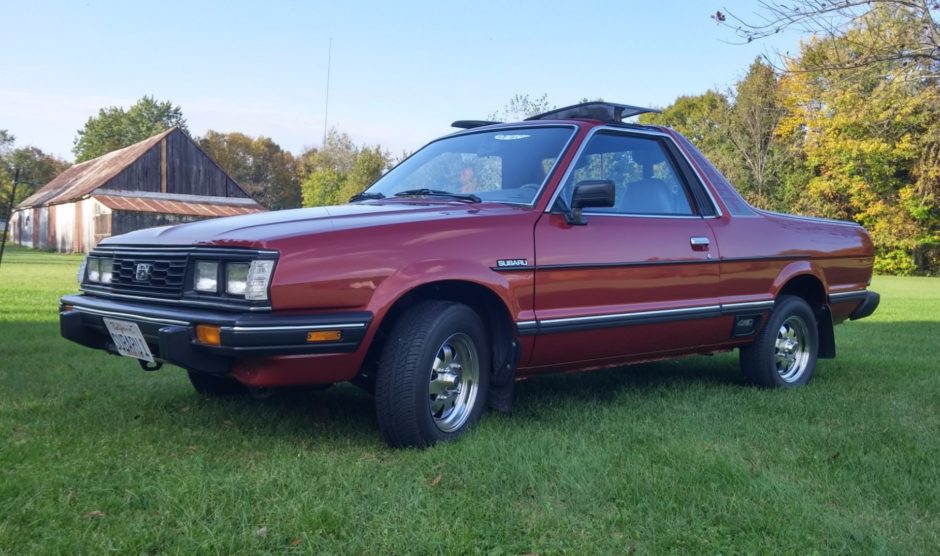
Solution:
(81, 179)
(202, 208)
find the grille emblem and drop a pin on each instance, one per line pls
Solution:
(142, 272)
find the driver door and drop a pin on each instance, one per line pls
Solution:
(639, 278)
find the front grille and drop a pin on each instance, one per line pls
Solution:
(162, 275)
(168, 278)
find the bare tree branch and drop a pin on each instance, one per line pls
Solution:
(827, 19)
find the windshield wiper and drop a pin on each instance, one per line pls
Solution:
(365, 196)
(469, 197)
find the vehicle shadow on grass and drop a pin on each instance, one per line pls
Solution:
(605, 384)
(345, 415)
(861, 347)
(340, 411)
(346, 412)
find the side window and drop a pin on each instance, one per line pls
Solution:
(645, 180)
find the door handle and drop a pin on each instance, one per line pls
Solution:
(699, 241)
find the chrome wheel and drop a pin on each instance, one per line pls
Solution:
(432, 379)
(454, 382)
(792, 349)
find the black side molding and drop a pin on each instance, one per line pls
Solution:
(868, 306)
(579, 324)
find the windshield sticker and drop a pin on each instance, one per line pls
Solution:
(504, 137)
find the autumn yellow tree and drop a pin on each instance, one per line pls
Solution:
(869, 139)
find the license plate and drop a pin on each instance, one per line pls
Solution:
(128, 339)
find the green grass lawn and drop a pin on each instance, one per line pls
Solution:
(98, 456)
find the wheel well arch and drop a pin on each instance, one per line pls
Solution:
(807, 286)
(486, 302)
(812, 290)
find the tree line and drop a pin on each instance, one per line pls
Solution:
(849, 128)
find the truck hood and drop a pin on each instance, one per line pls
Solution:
(263, 230)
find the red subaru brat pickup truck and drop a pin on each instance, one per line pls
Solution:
(570, 241)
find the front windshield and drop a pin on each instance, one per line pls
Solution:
(506, 166)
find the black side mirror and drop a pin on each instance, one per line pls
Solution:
(589, 193)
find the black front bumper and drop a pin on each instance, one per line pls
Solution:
(170, 331)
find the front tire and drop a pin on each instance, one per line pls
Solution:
(784, 353)
(433, 375)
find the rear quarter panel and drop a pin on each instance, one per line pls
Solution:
(761, 253)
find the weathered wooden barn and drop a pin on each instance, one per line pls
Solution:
(166, 179)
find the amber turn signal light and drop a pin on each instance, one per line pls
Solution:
(325, 336)
(208, 334)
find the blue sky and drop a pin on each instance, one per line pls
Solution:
(401, 72)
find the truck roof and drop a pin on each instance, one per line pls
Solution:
(605, 112)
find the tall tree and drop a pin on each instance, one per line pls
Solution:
(752, 129)
(6, 141)
(700, 117)
(115, 128)
(704, 120)
(6, 177)
(871, 138)
(36, 169)
(738, 132)
(370, 164)
(268, 172)
(340, 169)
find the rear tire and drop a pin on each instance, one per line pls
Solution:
(433, 375)
(784, 353)
(216, 386)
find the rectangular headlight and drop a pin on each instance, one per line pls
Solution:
(236, 278)
(259, 278)
(106, 268)
(93, 272)
(206, 276)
